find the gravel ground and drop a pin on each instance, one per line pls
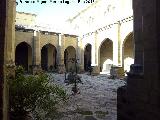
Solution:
(97, 99)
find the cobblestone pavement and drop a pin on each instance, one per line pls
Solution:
(97, 99)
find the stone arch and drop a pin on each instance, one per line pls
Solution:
(106, 55)
(23, 55)
(20, 41)
(69, 56)
(128, 51)
(49, 57)
(87, 56)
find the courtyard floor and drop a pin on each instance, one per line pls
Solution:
(97, 99)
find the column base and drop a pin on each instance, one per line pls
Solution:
(81, 69)
(95, 70)
(61, 69)
(132, 98)
(36, 69)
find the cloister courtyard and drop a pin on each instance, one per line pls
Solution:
(96, 100)
(110, 46)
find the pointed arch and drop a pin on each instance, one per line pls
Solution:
(106, 55)
(49, 57)
(69, 54)
(128, 51)
(23, 55)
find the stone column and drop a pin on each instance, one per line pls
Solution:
(80, 55)
(138, 40)
(151, 36)
(120, 54)
(95, 56)
(116, 45)
(60, 54)
(3, 19)
(117, 53)
(143, 85)
(36, 52)
(9, 52)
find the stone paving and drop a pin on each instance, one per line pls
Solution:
(97, 99)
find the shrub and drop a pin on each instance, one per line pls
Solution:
(33, 94)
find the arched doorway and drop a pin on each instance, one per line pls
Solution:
(106, 55)
(69, 56)
(87, 57)
(48, 57)
(128, 52)
(23, 55)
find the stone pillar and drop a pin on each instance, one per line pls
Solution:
(117, 54)
(151, 36)
(80, 55)
(60, 54)
(116, 45)
(3, 19)
(138, 40)
(120, 71)
(132, 97)
(36, 52)
(120, 53)
(141, 100)
(2, 37)
(9, 52)
(95, 56)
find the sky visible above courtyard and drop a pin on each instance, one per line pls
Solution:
(50, 12)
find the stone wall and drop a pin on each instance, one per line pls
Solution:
(23, 37)
(37, 40)
(26, 19)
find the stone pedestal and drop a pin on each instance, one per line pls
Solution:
(95, 70)
(117, 72)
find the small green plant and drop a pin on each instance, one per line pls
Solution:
(33, 94)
